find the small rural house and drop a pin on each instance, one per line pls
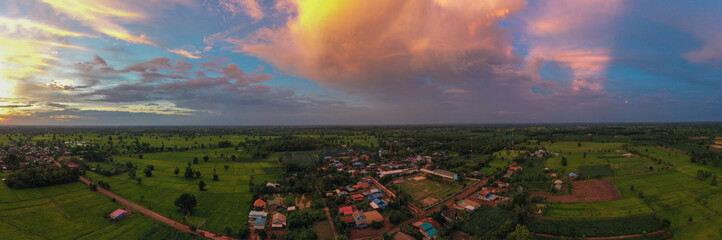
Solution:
(360, 219)
(253, 215)
(373, 216)
(278, 220)
(118, 214)
(259, 204)
(378, 204)
(428, 230)
(259, 223)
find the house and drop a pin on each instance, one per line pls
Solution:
(501, 184)
(378, 204)
(428, 230)
(558, 181)
(259, 204)
(291, 208)
(118, 214)
(374, 194)
(360, 219)
(373, 216)
(348, 220)
(451, 214)
(357, 197)
(468, 205)
(341, 191)
(628, 155)
(273, 185)
(573, 175)
(259, 223)
(278, 220)
(516, 168)
(394, 173)
(446, 174)
(253, 215)
(347, 210)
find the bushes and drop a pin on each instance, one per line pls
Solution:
(597, 228)
(40, 177)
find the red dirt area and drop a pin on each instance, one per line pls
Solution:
(587, 191)
(699, 138)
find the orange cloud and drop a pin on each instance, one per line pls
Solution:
(380, 44)
(185, 53)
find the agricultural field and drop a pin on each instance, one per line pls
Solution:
(691, 205)
(602, 160)
(485, 219)
(225, 203)
(426, 188)
(67, 211)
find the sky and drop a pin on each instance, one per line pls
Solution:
(319, 62)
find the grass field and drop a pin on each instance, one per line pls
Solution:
(227, 201)
(421, 189)
(68, 211)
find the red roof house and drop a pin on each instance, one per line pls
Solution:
(259, 203)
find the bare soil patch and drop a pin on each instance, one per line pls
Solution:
(587, 191)
(700, 137)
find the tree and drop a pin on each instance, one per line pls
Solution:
(93, 187)
(189, 172)
(520, 233)
(148, 172)
(564, 161)
(202, 186)
(151, 167)
(228, 230)
(131, 173)
(139, 180)
(176, 171)
(205, 158)
(186, 202)
(244, 232)
(215, 177)
(198, 174)
(140, 156)
(226, 167)
(195, 160)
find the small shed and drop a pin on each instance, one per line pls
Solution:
(118, 214)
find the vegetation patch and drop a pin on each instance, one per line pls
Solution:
(597, 227)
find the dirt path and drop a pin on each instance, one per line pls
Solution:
(58, 207)
(137, 208)
(26, 231)
(330, 219)
(600, 238)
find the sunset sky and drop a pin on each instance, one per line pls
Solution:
(312, 62)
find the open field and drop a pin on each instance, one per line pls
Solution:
(601, 160)
(425, 188)
(68, 211)
(225, 203)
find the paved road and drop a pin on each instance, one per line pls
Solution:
(137, 208)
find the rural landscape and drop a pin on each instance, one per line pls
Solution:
(652, 181)
(360, 119)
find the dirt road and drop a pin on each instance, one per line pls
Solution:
(137, 208)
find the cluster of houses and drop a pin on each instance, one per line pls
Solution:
(356, 163)
(258, 216)
(33, 156)
(363, 190)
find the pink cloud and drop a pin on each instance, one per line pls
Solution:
(576, 34)
(381, 46)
